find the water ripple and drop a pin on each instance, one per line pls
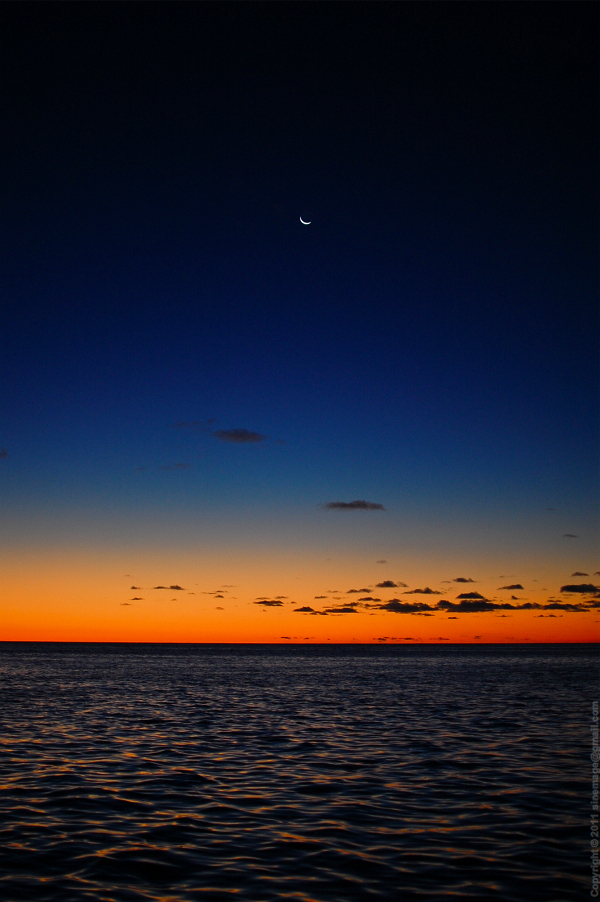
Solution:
(179, 773)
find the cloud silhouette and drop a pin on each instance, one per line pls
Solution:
(239, 436)
(269, 603)
(305, 610)
(389, 584)
(135, 598)
(135, 588)
(463, 579)
(579, 573)
(396, 606)
(569, 535)
(381, 562)
(3, 454)
(583, 588)
(475, 595)
(343, 609)
(472, 605)
(425, 591)
(354, 506)
(350, 591)
(173, 588)
(513, 586)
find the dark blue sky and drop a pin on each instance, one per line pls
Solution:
(429, 342)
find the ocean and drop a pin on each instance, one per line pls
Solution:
(298, 773)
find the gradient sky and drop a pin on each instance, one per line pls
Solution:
(190, 376)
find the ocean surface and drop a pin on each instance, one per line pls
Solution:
(304, 773)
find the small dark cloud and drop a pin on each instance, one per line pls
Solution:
(569, 535)
(267, 603)
(281, 596)
(173, 588)
(469, 606)
(350, 591)
(513, 586)
(219, 596)
(343, 609)
(477, 637)
(463, 579)
(125, 604)
(396, 606)
(239, 436)
(425, 591)
(219, 609)
(579, 573)
(284, 637)
(582, 588)
(175, 467)
(317, 597)
(456, 618)
(368, 598)
(514, 597)
(381, 562)
(565, 606)
(135, 588)
(475, 595)
(305, 610)
(389, 584)
(135, 598)
(354, 506)
(443, 639)
(3, 454)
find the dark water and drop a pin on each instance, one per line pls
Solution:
(165, 772)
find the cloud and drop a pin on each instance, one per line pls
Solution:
(472, 606)
(396, 606)
(425, 591)
(135, 598)
(354, 506)
(135, 588)
(344, 609)
(174, 588)
(317, 597)
(219, 609)
(3, 454)
(239, 436)
(463, 579)
(456, 618)
(565, 606)
(175, 467)
(470, 595)
(284, 637)
(582, 588)
(579, 573)
(268, 603)
(569, 535)
(513, 586)
(389, 584)
(125, 604)
(350, 591)
(305, 610)
(381, 562)
(368, 598)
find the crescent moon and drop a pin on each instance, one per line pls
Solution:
(305, 223)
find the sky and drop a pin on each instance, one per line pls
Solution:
(218, 424)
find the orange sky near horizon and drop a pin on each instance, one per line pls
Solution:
(80, 596)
